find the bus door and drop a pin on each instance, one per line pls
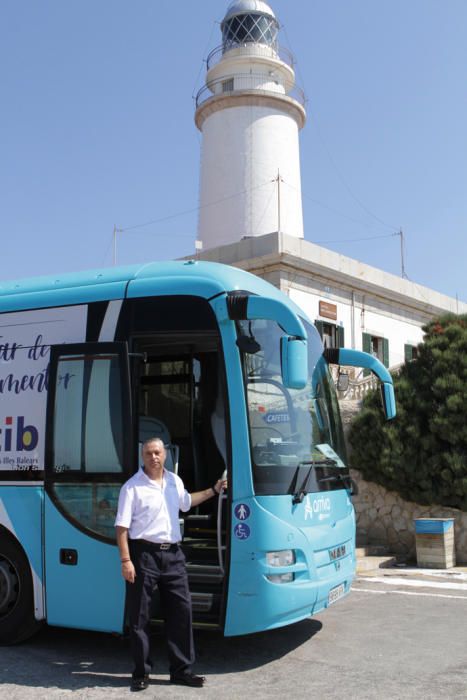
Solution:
(90, 452)
(182, 400)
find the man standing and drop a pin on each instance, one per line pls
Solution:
(148, 537)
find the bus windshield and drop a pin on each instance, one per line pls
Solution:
(295, 435)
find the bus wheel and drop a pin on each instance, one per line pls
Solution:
(17, 620)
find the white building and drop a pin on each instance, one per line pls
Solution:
(353, 304)
(250, 114)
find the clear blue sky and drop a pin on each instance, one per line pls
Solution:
(96, 129)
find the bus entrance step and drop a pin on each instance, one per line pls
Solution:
(205, 602)
(202, 551)
(204, 573)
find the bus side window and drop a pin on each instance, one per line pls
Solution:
(89, 434)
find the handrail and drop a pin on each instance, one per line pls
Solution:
(259, 82)
(251, 49)
(222, 496)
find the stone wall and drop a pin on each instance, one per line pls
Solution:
(384, 518)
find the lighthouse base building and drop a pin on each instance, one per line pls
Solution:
(352, 304)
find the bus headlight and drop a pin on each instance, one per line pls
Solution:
(285, 557)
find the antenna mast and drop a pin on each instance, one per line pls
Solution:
(403, 273)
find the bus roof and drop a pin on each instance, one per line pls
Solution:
(191, 277)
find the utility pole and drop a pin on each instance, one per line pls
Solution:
(116, 230)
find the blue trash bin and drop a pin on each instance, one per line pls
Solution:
(434, 539)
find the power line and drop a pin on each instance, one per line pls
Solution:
(117, 229)
(328, 153)
(191, 211)
(203, 62)
(357, 240)
(331, 209)
(344, 181)
(399, 233)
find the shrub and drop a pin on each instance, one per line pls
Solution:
(422, 453)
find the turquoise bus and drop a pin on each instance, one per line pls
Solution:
(233, 377)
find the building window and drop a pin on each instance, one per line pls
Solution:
(331, 335)
(410, 352)
(377, 346)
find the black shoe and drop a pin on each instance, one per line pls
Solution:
(188, 678)
(139, 682)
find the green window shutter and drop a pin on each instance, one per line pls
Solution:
(366, 342)
(319, 327)
(408, 352)
(385, 352)
(340, 336)
(366, 347)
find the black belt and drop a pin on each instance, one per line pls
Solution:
(158, 546)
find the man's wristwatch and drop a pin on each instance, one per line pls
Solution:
(214, 491)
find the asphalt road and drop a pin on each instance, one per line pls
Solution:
(396, 636)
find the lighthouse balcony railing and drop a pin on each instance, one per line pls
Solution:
(251, 49)
(262, 83)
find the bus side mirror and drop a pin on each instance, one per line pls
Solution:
(389, 400)
(294, 362)
(357, 358)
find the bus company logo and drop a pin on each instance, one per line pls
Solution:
(276, 417)
(318, 506)
(15, 436)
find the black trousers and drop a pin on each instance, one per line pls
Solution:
(167, 571)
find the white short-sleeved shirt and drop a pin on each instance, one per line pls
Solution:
(149, 511)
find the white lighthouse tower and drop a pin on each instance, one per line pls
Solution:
(250, 113)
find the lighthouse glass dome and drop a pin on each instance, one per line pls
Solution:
(249, 22)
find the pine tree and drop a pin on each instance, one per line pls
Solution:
(422, 453)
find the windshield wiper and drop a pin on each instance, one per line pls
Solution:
(302, 492)
(334, 477)
(347, 479)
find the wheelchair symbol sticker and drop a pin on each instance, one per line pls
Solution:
(242, 511)
(242, 531)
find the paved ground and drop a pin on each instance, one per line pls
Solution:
(410, 580)
(396, 636)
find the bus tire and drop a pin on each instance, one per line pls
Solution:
(17, 621)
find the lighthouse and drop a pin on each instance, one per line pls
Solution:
(249, 112)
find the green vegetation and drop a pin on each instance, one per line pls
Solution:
(422, 453)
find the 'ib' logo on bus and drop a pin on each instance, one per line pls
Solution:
(16, 436)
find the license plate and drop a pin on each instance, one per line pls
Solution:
(336, 593)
